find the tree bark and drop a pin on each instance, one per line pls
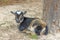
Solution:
(52, 14)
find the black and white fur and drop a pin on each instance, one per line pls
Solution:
(25, 23)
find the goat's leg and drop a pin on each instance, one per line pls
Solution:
(46, 30)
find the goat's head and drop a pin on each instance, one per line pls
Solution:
(19, 15)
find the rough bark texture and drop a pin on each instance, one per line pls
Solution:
(51, 14)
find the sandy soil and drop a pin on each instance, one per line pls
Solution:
(8, 26)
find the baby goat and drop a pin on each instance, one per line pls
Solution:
(35, 25)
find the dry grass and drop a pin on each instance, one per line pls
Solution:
(10, 2)
(8, 26)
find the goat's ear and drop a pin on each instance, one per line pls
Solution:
(24, 12)
(12, 12)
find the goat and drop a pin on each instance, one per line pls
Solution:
(32, 24)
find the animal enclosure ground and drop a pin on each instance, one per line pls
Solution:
(8, 26)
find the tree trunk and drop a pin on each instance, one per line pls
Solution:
(52, 14)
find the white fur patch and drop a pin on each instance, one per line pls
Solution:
(42, 31)
(18, 12)
(31, 29)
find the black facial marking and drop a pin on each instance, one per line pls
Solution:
(19, 18)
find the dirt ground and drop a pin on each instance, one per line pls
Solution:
(8, 26)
